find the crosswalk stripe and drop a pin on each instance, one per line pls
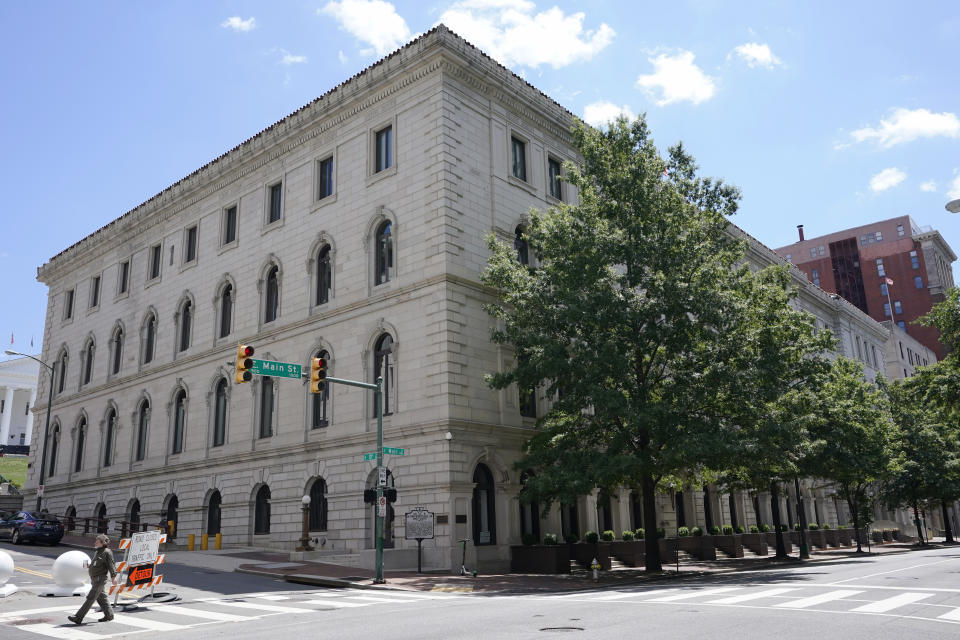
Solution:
(888, 604)
(336, 603)
(140, 622)
(263, 607)
(812, 601)
(691, 594)
(953, 614)
(273, 598)
(58, 631)
(766, 593)
(620, 596)
(380, 599)
(203, 613)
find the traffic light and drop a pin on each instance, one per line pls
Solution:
(244, 363)
(370, 496)
(318, 374)
(391, 494)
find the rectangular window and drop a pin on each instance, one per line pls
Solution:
(859, 352)
(909, 355)
(815, 274)
(94, 291)
(880, 270)
(266, 407)
(883, 288)
(886, 309)
(384, 149)
(813, 252)
(870, 238)
(190, 250)
(918, 282)
(897, 307)
(123, 277)
(154, 262)
(789, 258)
(554, 170)
(914, 260)
(229, 224)
(900, 230)
(821, 251)
(519, 155)
(902, 325)
(68, 304)
(873, 348)
(276, 202)
(325, 178)
(863, 240)
(879, 236)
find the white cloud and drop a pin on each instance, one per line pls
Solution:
(238, 24)
(905, 125)
(600, 113)
(373, 22)
(342, 57)
(954, 192)
(757, 55)
(929, 185)
(678, 79)
(887, 179)
(289, 58)
(512, 32)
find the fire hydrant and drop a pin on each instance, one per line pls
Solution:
(596, 570)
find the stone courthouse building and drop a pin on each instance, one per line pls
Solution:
(354, 228)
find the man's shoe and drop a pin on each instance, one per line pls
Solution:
(106, 619)
(75, 619)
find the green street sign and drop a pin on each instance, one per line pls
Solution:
(276, 369)
(390, 451)
(370, 456)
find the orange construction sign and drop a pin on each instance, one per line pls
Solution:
(140, 575)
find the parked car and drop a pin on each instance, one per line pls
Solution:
(29, 526)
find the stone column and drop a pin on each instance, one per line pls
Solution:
(29, 428)
(7, 413)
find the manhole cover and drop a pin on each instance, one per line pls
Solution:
(562, 629)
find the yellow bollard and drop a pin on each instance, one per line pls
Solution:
(191, 539)
(218, 541)
(203, 542)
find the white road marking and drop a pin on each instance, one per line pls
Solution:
(950, 615)
(692, 594)
(822, 598)
(204, 613)
(881, 573)
(766, 593)
(620, 596)
(61, 632)
(273, 598)
(889, 604)
(380, 599)
(336, 603)
(262, 607)
(139, 621)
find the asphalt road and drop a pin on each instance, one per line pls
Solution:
(910, 595)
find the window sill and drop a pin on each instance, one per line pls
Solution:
(323, 202)
(523, 184)
(188, 265)
(122, 295)
(151, 282)
(379, 175)
(226, 247)
(270, 226)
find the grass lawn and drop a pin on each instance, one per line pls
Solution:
(14, 469)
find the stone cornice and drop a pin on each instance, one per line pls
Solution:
(936, 239)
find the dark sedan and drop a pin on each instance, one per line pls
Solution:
(28, 526)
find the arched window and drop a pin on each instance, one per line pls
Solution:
(62, 376)
(149, 337)
(569, 519)
(529, 512)
(213, 514)
(134, 517)
(636, 509)
(117, 351)
(143, 424)
(186, 320)
(54, 444)
(220, 413)
(320, 401)
(383, 242)
(100, 514)
(261, 511)
(172, 516)
(318, 505)
(324, 275)
(383, 366)
(226, 310)
(271, 301)
(88, 362)
(179, 420)
(521, 246)
(69, 518)
(266, 406)
(81, 436)
(111, 422)
(604, 511)
(484, 507)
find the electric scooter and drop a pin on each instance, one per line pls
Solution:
(463, 559)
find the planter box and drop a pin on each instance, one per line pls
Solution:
(584, 553)
(756, 542)
(831, 537)
(630, 553)
(540, 558)
(845, 537)
(772, 541)
(668, 550)
(887, 535)
(730, 544)
(815, 539)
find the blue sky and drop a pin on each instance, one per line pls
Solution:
(825, 114)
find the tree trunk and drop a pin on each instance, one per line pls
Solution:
(855, 510)
(916, 521)
(652, 538)
(775, 508)
(948, 530)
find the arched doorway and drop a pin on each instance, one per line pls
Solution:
(261, 511)
(529, 511)
(69, 518)
(133, 517)
(484, 507)
(100, 513)
(172, 515)
(213, 514)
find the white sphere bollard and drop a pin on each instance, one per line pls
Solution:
(70, 574)
(6, 572)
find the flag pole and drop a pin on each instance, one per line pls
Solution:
(889, 283)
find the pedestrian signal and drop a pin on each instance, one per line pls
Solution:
(318, 375)
(244, 363)
(391, 494)
(370, 496)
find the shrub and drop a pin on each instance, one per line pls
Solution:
(841, 526)
(549, 538)
(529, 539)
(714, 530)
(571, 538)
(661, 533)
(683, 532)
(755, 529)
(783, 527)
(796, 527)
(825, 526)
(697, 531)
(740, 529)
(608, 535)
(640, 533)
(813, 526)
(627, 535)
(591, 537)
(765, 528)
(727, 530)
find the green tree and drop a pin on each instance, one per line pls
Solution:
(852, 432)
(641, 317)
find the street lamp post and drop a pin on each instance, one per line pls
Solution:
(305, 534)
(46, 428)
(954, 206)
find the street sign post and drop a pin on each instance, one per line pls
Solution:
(276, 369)
(390, 451)
(370, 456)
(381, 476)
(418, 525)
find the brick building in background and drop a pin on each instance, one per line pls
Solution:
(861, 262)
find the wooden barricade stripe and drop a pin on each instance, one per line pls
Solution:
(125, 543)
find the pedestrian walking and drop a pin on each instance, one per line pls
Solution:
(101, 565)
